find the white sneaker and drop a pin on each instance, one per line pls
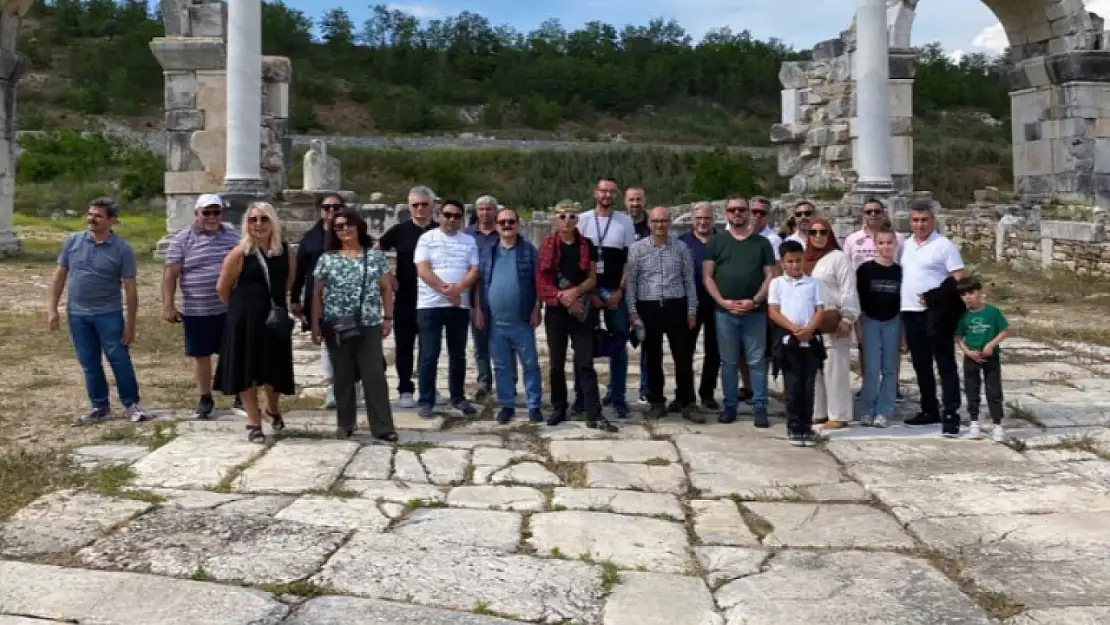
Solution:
(879, 421)
(406, 402)
(867, 421)
(136, 413)
(998, 434)
(974, 431)
(329, 398)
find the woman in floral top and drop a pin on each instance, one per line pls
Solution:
(353, 311)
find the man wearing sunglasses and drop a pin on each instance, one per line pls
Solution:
(447, 265)
(803, 213)
(193, 260)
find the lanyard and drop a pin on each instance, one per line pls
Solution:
(597, 228)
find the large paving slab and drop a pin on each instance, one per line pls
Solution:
(618, 501)
(658, 599)
(345, 513)
(719, 522)
(847, 587)
(445, 465)
(373, 462)
(201, 543)
(519, 498)
(109, 455)
(297, 466)
(642, 477)
(724, 564)
(63, 521)
(385, 490)
(78, 596)
(1064, 616)
(749, 466)
(194, 461)
(435, 528)
(892, 461)
(385, 566)
(845, 526)
(628, 542)
(613, 451)
(356, 611)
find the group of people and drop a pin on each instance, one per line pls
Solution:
(764, 302)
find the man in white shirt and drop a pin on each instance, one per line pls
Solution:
(613, 233)
(928, 259)
(447, 265)
(761, 206)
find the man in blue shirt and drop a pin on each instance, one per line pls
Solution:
(508, 309)
(94, 264)
(485, 233)
(696, 239)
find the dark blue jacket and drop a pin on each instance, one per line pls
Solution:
(527, 261)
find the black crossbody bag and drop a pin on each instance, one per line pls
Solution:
(278, 320)
(349, 327)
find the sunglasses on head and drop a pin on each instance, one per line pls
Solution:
(506, 222)
(258, 219)
(452, 215)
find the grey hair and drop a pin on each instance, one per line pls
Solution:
(108, 204)
(422, 191)
(761, 200)
(486, 199)
(700, 205)
(922, 206)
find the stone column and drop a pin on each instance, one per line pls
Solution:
(872, 154)
(12, 67)
(243, 182)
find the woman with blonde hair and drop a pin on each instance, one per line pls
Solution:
(257, 348)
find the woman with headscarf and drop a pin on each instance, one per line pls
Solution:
(826, 263)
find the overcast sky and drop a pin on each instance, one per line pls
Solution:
(959, 25)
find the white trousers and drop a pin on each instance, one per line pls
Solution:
(833, 394)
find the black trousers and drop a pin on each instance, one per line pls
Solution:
(711, 365)
(668, 318)
(978, 374)
(799, 371)
(926, 349)
(354, 358)
(563, 330)
(404, 337)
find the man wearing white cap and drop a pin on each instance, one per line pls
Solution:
(194, 258)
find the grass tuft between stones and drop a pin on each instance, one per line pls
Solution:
(998, 605)
(1021, 413)
(1084, 442)
(610, 577)
(416, 504)
(573, 474)
(657, 462)
(299, 588)
(418, 447)
(27, 475)
(759, 526)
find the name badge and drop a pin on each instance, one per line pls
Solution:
(600, 267)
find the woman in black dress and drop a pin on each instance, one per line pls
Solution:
(256, 278)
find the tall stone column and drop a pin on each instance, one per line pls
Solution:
(872, 153)
(243, 182)
(12, 67)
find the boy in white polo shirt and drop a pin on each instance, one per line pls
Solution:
(795, 304)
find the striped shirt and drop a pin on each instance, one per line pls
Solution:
(658, 272)
(200, 256)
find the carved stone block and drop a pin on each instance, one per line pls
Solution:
(321, 171)
(180, 90)
(208, 20)
(184, 120)
(207, 53)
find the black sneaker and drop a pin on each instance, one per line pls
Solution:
(675, 407)
(465, 407)
(535, 416)
(727, 416)
(205, 408)
(603, 424)
(809, 438)
(921, 420)
(656, 412)
(710, 404)
(505, 415)
(796, 439)
(950, 425)
(557, 416)
(761, 421)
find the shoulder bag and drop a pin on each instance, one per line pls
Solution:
(349, 327)
(278, 320)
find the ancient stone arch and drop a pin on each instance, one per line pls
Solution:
(1060, 95)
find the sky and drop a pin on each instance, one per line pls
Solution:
(961, 26)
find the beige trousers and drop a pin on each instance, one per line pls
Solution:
(833, 394)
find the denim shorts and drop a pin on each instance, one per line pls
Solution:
(203, 335)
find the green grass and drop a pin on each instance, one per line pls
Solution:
(42, 236)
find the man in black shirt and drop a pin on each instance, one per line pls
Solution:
(565, 279)
(402, 239)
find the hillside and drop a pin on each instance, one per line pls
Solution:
(394, 75)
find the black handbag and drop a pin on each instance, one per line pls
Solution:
(278, 320)
(349, 327)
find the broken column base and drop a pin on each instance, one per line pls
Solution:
(10, 245)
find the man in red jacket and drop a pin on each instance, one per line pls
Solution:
(566, 274)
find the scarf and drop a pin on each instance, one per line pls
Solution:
(814, 253)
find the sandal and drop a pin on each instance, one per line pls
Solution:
(278, 421)
(389, 438)
(255, 435)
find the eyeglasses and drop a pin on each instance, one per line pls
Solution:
(660, 221)
(331, 207)
(818, 232)
(506, 222)
(258, 219)
(872, 212)
(341, 226)
(739, 210)
(568, 216)
(452, 215)
(211, 212)
(803, 213)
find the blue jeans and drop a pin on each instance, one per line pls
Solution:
(96, 334)
(881, 340)
(643, 371)
(482, 355)
(433, 323)
(617, 322)
(507, 338)
(747, 332)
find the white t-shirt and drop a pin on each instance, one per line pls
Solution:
(797, 299)
(925, 266)
(612, 235)
(450, 256)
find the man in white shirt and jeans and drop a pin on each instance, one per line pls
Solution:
(447, 266)
(928, 259)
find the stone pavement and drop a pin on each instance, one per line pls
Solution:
(667, 523)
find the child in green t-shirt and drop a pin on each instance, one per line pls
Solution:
(980, 331)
